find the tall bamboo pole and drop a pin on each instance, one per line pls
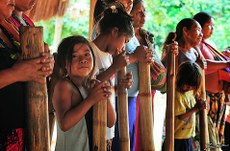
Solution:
(146, 112)
(171, 71)
(91, 19)
(99, 125)
(204, 137)
(37, 100)
(123, 121)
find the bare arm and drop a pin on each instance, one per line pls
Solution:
(28, 70)
(214, 66)
(111, 115)
(119, 62)
(70, 108)
(200, 105)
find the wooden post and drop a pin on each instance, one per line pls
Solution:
(91, 17)
(171, 70)
(37, 100)
(146, 112)
(99, 125)
(204, 137)
(123, 119)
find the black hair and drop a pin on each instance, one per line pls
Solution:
(189, 73)
(202, 18)
(135, 2)
(186, 22)
(116, 16)
(98, 10)
(65, 52)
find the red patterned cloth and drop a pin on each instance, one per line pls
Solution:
(13, 140)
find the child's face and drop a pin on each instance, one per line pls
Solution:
(118, 43)
(82, 61)
(187, 87)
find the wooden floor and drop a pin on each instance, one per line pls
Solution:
(159, 116)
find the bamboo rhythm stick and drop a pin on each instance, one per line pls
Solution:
(123, 121)
(171, 69)
(37, 99)
(204, 137)
(172, 64)
(99, 125)
(146, 113)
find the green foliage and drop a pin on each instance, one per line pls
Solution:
(162, 17)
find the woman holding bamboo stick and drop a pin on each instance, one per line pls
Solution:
(214, 89)
(158, 71)
(13, 75)
(189, 35)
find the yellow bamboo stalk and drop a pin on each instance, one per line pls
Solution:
(91, 20)
(99, 125)
(171, 71)
(146, 112)
(204, 137)
(123, 121)
(32, 45)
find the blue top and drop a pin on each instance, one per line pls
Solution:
(130, 48)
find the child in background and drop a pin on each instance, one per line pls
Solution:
(188, 81)
(74, 95)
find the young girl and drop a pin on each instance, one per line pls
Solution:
(73, 96)
(188, 82)
(115, 30)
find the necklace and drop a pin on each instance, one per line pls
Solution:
(19, 21)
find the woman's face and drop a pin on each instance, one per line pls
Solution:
(24, 5)
(6, 8)
(194, 35)
(82, 61)
(208, 28)
(138, 15)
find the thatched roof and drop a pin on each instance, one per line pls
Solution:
(45, 9)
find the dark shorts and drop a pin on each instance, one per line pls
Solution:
(12, 140)
(183, 144)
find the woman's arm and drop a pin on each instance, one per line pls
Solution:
(27, 70)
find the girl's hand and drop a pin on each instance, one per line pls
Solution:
(127, 81)
(120, 61)
(99, 91)
(201, 104)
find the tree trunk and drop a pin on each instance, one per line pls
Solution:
(37, 100)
